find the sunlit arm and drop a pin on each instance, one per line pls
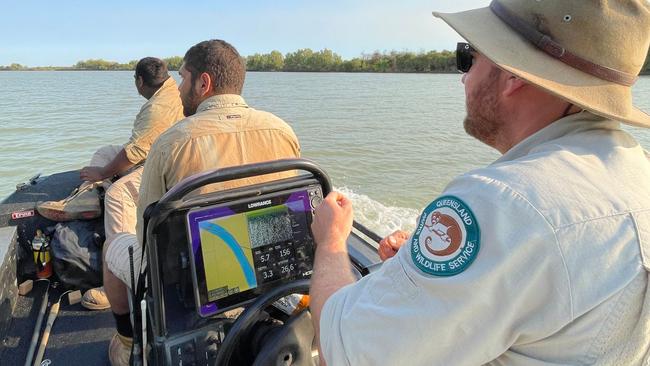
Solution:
(332, 268)
(118, 165)
(97, 173)
(331, 272)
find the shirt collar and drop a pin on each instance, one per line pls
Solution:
(571, 124)
(169, 83)
(222, 101)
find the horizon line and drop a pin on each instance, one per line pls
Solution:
(361, 56)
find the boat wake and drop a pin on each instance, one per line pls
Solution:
(378, 217)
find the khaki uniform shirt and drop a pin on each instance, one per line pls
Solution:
(161, 111)
(224, 132)
(541, 258)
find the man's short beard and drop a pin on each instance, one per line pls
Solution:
(190, 103)
(483, 121)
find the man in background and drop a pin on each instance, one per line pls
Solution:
(118, 168)
(220, 130)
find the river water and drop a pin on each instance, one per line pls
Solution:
(390, 141)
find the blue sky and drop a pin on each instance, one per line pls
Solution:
(60, 33)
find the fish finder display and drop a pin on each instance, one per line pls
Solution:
(242, 249)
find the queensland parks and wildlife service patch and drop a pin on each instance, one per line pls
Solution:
(447, 238)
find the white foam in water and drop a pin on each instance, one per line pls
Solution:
(379, 218)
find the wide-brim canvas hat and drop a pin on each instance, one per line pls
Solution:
(587, 52)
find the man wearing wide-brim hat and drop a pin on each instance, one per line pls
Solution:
(540, 258)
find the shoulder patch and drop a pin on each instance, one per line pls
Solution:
(447, 237)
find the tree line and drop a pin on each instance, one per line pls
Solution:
(307, 60)
(173, 63)
(327, 61)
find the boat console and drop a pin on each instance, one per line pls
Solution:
(213, 255)
(220, 267)
(241, 249)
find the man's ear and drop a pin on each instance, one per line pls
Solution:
(139, 82)
(511, 84)
(204, 84)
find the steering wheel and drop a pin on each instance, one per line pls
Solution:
(292, 343)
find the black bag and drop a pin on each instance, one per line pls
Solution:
(77, 253)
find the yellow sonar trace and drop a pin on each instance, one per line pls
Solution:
(226, 246)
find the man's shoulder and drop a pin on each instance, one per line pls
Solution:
(177, 132)
(564, 184)
(269, 120)
(517, 187)
(153, 113)
(166, 98)
(165, 101)
(205, 123)
(536, 179)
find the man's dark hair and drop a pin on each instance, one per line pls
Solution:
(221, 61)
(153, 71)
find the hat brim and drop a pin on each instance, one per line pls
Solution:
(498, 42)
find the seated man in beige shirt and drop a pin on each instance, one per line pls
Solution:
(162, 109)
(220, 130)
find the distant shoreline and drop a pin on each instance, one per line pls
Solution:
(263, 71)
(303, 60)
(644, 73)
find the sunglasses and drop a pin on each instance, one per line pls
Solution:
(464, 56)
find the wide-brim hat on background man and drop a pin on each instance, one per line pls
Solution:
(587, 52)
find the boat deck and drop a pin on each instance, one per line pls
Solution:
(78, 336)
